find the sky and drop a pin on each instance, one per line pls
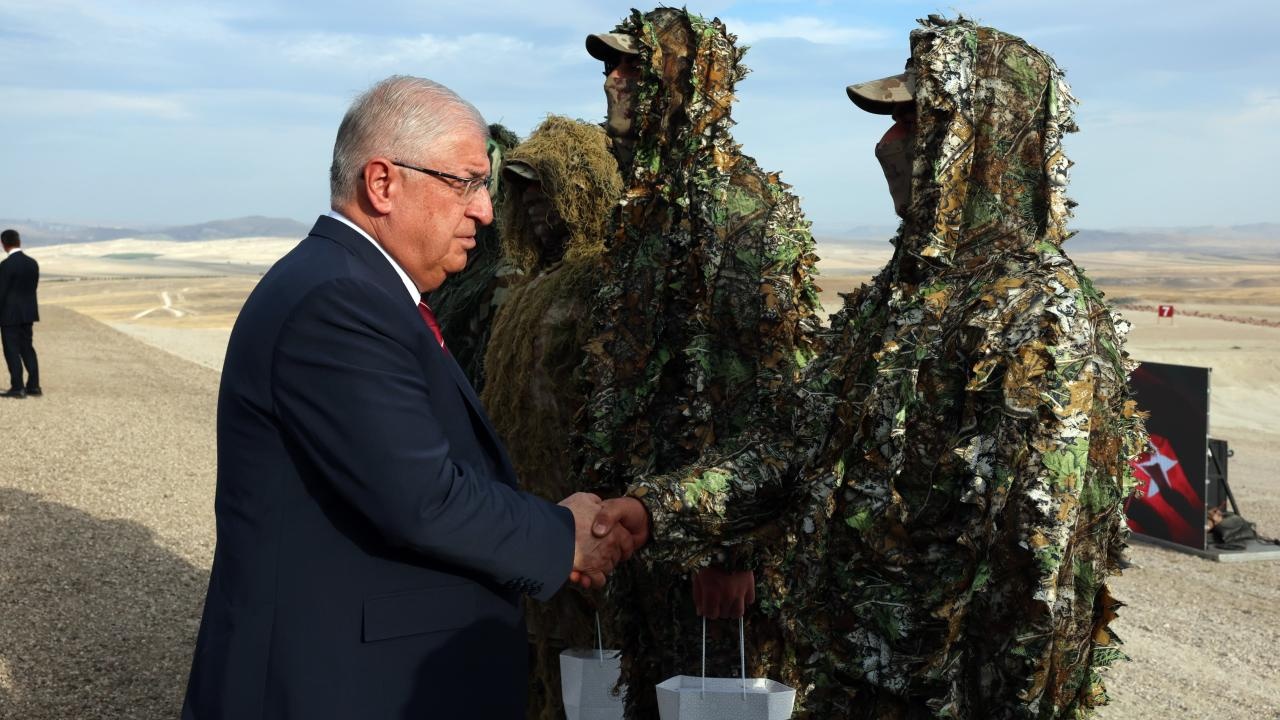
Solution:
(155, 112)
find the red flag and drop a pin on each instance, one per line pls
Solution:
(1160, 475)
(1164, 311)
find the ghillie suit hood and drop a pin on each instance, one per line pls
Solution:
(542, 325)
(977, 457)
(708, 308)
(580, 176)
(465, 303)
(705, 317)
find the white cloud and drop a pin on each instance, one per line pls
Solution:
(812, 29)
(243, 88)
(372, 52)
(1255, 108)
(1260, 107)
(125, 23)
(86, 103)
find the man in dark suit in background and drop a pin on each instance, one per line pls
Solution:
(373, 549)
(19, 275)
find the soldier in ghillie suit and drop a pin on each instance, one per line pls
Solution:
(704, 320)
(967, 502)
(464, 305)
(678, 335)
(561, 183)
(560, 187)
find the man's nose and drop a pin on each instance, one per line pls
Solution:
(480, 208)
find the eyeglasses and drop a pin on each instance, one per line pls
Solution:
(468, 185)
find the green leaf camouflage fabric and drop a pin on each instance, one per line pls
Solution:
(704, 320)
(966, 507)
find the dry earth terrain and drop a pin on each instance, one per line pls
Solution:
(106, 483)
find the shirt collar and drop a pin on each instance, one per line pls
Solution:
(12, 251)
(404, 276)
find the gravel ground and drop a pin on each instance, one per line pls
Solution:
(106, 526)
(106, 534)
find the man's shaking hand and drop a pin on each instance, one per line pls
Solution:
(595, 554)
(614, 529)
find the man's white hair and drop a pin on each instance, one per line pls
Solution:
(401, 118)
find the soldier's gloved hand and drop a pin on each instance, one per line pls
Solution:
(722, 594)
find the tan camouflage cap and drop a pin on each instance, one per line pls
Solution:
(604, 46)
(520, 169)
(883, 95)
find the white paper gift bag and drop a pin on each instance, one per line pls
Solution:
(686, 697)
(587, 679)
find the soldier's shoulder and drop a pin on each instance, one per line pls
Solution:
(754, 193)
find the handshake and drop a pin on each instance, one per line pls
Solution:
(606, 532)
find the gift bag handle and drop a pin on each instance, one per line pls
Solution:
(599, 640)
(742, 654)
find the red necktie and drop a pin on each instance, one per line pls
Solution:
(430, 319)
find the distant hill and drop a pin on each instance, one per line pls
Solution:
(36, 233)
(855, 234)
(1257, 238)
(1252, 239)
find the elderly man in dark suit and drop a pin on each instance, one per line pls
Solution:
(373, 549)
(19, 275)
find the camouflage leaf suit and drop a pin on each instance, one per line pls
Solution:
(672, 345)
(966, 506)
(705, 317)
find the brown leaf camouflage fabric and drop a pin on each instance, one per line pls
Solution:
(704, 321)
(966, 505)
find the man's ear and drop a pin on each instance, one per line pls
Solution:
(382, 183)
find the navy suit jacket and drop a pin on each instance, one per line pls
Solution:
(372, 547)
(19, 275)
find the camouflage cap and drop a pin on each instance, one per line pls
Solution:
(883, 95)
(520, 169)
(604, 46)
